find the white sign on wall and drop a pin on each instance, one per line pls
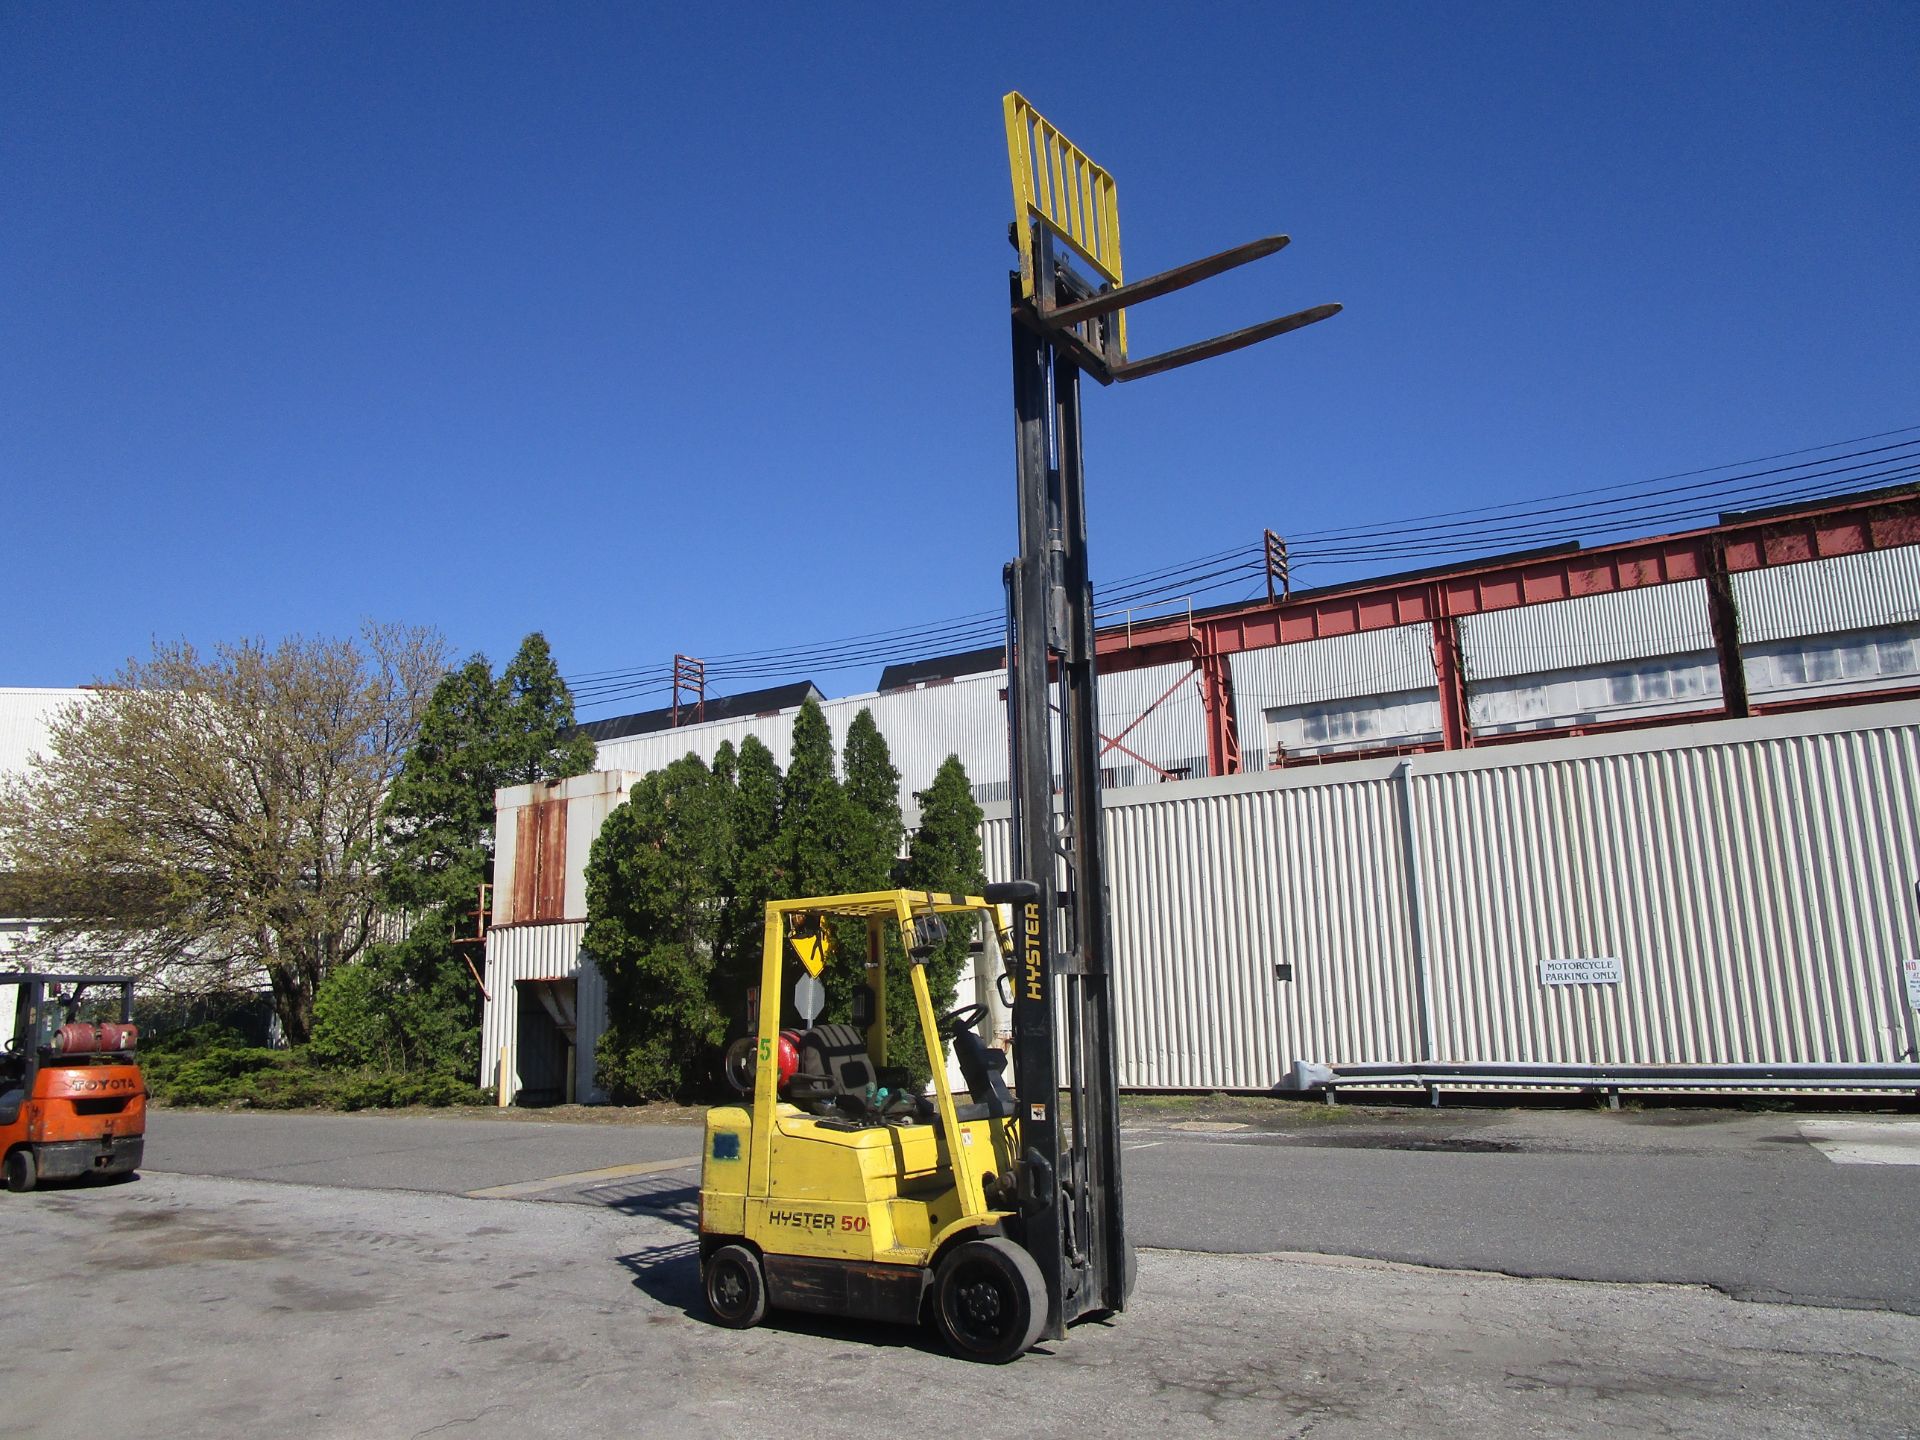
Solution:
(1913, 983)
(1588, 970)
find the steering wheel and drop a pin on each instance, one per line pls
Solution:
(961, 1017)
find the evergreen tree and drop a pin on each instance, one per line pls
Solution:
(477, 735)
(756, 876)
(813, 811)
(945, 854)
(874, 833)
(874, 830)
(816, 848)
(654, 908)
(536, 716)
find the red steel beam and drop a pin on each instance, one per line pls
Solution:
(1816, 533)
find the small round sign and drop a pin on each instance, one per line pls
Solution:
(809, 997)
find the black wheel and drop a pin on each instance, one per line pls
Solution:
(736, 1291)
(22, 1173)
(991, 1300)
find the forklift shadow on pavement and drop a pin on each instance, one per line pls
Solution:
(672, 1198)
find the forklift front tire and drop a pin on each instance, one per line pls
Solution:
(22, 1173)
(991, 1300)
(736, 1288)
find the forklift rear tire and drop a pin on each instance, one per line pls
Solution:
(22, 1173)
(736, 1290)
(991, 1300)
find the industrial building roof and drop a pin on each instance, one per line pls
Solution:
(721, 707)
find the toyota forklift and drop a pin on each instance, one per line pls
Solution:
(838, 1187)
(73, 1103)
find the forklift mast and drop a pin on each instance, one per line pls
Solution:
(1063, 996)
(1068, 303)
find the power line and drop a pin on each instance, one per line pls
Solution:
(1481, 528)
(1606, 489)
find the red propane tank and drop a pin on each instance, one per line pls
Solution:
(83, 1039)
(789, 1055)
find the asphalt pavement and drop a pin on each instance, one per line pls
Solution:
(228, 1308)
(1761, 1207)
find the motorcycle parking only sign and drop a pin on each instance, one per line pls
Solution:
(1586, 970)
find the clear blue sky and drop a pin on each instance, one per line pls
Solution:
(683, 328)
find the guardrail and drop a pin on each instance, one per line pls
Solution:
(1609, 1080)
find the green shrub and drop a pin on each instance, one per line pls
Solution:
(206, 1067)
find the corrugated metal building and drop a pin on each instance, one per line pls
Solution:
(1848, 625)
(25, 717)
(1751, 880)
(545, 1005)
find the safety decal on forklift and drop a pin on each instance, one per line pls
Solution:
(1037, 1114)
(726, 1145)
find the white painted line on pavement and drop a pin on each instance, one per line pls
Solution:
(579, 1177)
(1865, 1142)
(1143, 1145)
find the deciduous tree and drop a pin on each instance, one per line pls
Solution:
(211, 822)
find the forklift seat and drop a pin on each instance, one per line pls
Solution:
(985, 1072)
(835, 1074)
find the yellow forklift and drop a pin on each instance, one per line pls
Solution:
(844, 1189)
(839, 1188)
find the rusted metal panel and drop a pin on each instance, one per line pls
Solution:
(540, 862)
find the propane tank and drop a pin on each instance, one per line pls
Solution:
(789, 1056)
(80, 1038)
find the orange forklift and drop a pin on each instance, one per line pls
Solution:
(73, 1103)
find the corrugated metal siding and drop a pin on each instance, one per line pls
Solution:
(1824, 597)
(1211, 891)
(1753, 877)
(1589, 630)
(25, 715)
(1756, 894)
(1170, 734)
(1341, 667)
(967, 718)
(534, 952)
(1628, 689)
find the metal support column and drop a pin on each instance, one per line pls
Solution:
(1723, 621)
(1223, 722)
(1456, 725)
